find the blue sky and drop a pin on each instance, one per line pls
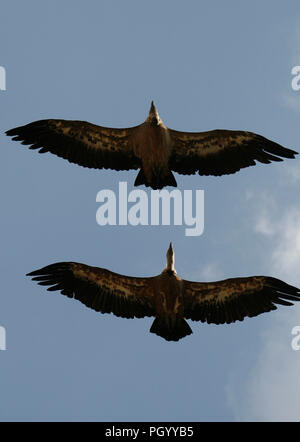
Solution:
(207, 65)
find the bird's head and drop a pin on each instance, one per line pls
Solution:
(153, 118)
(170, 260)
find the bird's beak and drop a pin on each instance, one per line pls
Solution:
(153, 117)
(152, 108)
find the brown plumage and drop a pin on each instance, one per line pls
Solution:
(151, 147)
(167, 297)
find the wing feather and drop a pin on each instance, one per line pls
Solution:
(234, 299)
(99, 289)
(80, 142)
(221, 152)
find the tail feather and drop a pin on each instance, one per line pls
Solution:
(171, 329)
(158, 181)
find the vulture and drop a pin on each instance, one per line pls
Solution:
(167, 297)
(151, 147)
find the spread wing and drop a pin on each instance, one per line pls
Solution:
(221, 152)
(80, 142)
(99, 289)
(234, 299)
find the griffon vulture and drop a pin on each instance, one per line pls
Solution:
(167, 297)
(151, 147)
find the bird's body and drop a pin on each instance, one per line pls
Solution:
(169, 300)
(167, 297)
(151, 147)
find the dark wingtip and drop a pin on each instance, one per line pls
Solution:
(24, 129)
(11, 132)
(33, 273)
(291, 153)
(56, 267)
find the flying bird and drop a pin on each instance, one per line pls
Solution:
(167, 297)
(151, 147)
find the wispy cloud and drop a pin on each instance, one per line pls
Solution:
(272, 386)
(285, 230)
(286, 256)
(209, 272)
(264, 225)
(291, 100)
(291, 174)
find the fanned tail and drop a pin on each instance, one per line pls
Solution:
(158, 181)
(171, 329)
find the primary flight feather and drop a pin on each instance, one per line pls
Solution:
(167, 297)
(151, 147)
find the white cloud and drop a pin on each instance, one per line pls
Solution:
(209, 272)
(292, 100)
(272, 385)
(272, 392)
(291, 174)
(263, 225)
(286, 256)
(263, 204)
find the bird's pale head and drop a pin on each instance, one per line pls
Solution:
(170, 258)
(153, 117)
